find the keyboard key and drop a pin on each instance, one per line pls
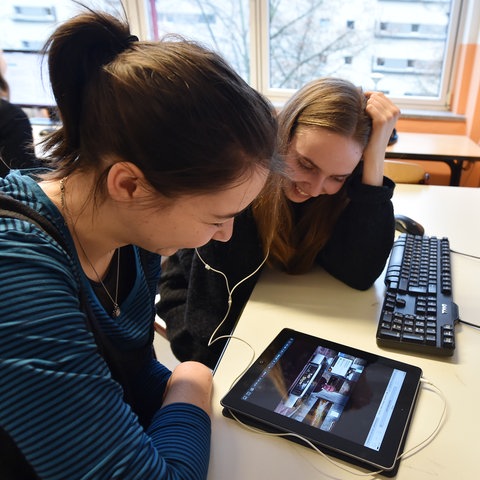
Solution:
(390, 334)
(412, 337)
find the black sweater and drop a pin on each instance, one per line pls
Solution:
(194, 299)
(16, 139)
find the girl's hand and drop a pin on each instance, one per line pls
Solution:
(190, 382)
(384, 114)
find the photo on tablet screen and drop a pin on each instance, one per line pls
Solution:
(329, 385)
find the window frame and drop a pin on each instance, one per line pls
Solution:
(260, 60)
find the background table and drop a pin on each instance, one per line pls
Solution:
(453, 150)
(317, 303)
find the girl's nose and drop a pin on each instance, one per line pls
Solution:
(224, 233)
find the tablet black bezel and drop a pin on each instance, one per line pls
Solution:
(386, 458)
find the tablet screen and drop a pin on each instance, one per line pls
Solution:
(351, 401)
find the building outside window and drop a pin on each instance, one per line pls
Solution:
(24, 27)
(402, 47)
(287, 43)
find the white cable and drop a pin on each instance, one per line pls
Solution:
(439, 425)
(405, 454)
(230, 293)
(249, 362)
(308, 442)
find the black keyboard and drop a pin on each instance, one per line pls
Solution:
(418, 311)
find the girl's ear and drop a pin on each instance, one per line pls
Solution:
(125, 181)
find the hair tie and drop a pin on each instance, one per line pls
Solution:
(131, 39)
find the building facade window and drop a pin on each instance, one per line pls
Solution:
(25, 26)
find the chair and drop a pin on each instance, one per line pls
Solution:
(405, 172)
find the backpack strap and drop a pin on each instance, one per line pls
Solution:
(13, 464)
(13, 208)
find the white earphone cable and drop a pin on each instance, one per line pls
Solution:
(230, 293)
(405, 454)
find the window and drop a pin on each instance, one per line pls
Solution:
(279, 45)
(26, 13)
(414, 59)
(24, 27)
(221, 24)
(402, 47)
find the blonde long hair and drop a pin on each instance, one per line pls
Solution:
(336, 105)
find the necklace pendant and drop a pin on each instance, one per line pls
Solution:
(116, 311)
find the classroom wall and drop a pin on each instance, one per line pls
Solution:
(471, 96)
(467, 102)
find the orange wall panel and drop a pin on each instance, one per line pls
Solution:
(465, 66)
(431, 126)
(473, 105)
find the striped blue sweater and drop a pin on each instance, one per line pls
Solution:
(58, 400)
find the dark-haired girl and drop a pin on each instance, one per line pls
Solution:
(161, 146)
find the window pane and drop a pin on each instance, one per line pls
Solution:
(26, 24)
(398, 47)
(24, 27)
(222, 25)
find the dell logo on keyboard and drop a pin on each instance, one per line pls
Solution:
(444, 308)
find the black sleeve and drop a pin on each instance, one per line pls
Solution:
(194, 298)
(16, 139)
(363, 237)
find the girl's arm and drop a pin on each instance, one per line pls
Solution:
(384, 115)
(191, 382)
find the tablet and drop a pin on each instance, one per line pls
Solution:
(347, 402)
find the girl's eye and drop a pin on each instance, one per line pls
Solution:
(305, 165)
(218, 225)
(339, 179)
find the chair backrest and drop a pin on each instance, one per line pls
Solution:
(405, 172)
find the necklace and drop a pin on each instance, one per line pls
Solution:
(116, 308)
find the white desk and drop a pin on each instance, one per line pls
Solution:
(454, 150)
(318, 304)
